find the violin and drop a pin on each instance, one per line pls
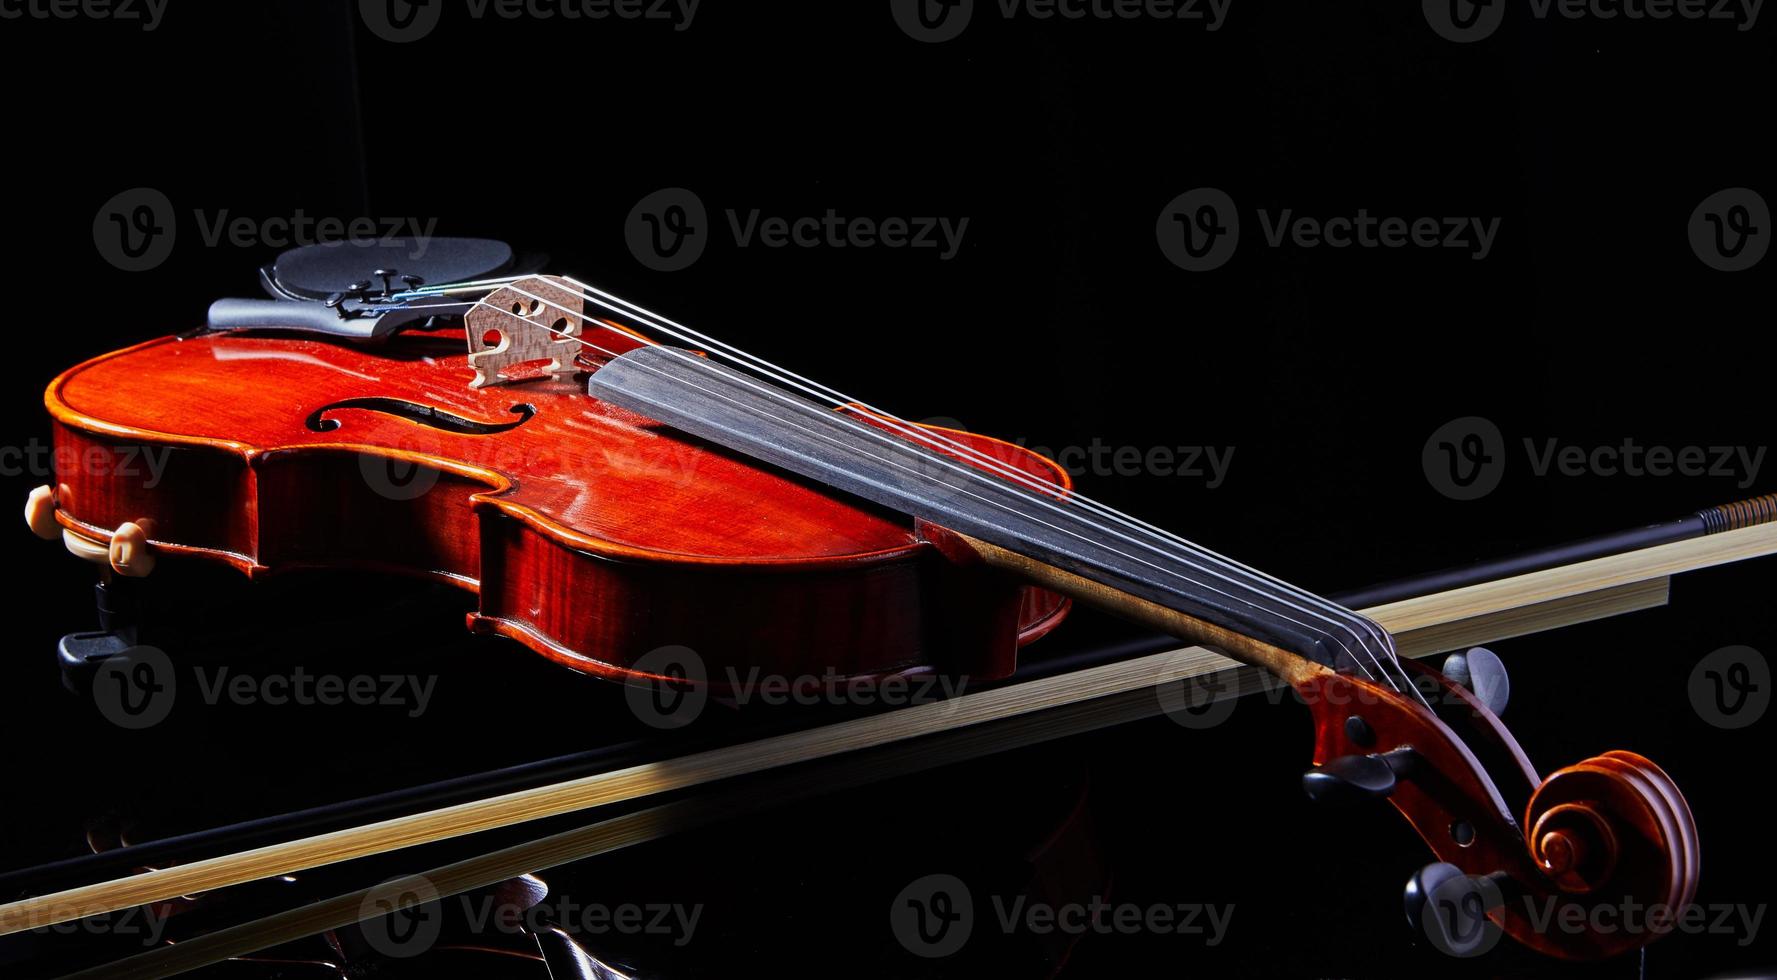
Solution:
(614, 487)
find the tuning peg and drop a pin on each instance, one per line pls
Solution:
(1451, 908)
(1356, 777)
(1483, 674)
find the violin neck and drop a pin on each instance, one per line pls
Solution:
(1101, 558)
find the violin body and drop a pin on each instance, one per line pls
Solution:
(588, 533)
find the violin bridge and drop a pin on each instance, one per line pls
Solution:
(526, 330)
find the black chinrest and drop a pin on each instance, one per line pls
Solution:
(315, 272)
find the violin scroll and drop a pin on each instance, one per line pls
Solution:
(1604, 860)
(1616, 823)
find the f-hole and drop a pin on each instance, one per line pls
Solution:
(427, 415)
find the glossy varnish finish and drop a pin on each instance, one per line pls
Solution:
(590, 534)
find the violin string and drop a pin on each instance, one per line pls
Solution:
(800, 406)
(1045, 491)
(926, 437)
(748, 361)
(930, 437)
(921, 436)
(969, 473)
(741, 358)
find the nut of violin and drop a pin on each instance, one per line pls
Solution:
(130, 554)
(40, 513)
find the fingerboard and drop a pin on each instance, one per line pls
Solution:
(747, 415)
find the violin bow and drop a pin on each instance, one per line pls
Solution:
(1480, 608)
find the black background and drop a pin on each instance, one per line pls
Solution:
(1060, 322)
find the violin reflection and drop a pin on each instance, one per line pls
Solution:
(705, 903)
